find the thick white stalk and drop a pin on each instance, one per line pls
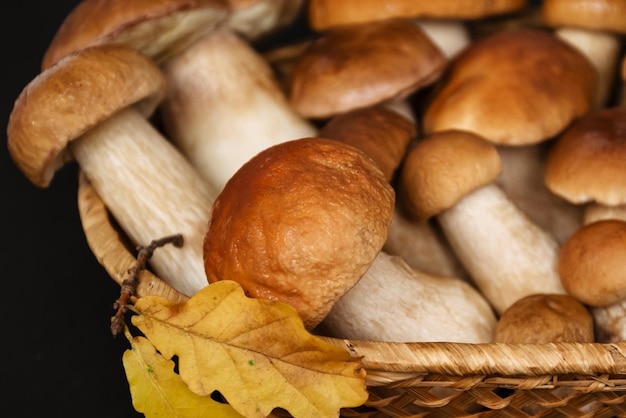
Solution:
(602, 49)
(505, 253)
(224, 106)
(393, 302)
(151, 190)
(594, 212)
(451, 36)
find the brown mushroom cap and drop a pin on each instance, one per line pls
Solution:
(520, 86)
(381, 133)
(444, 167)
(592, 265)
(586, 162)
(323, 14)
(356, 66)
(155, 27)
(300, 222)
(606, 15)
(74, 95)
(545, 318)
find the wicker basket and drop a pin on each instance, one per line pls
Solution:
(433, 379)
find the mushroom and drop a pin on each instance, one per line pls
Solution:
(92, 106)
(450, 175)
(443, 22)
(517, 104)
(157, 28)
(545, 318)
(586, 164)
(356, 66)
(394, 302)
(595, 28)
(385, 136)
(300, 222)
(224, 105)
(591, 266)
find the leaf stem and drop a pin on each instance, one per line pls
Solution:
(129, 285)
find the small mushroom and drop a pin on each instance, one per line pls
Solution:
(451, 175)
(355, 66)
(544, 319)
(300, 222)
(586, 164)
(596, 29)
(92, 106)
(592, 266)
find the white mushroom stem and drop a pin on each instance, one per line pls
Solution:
(522, 179)
(610, 322)
(224, 106)
(602, 49)
(506, 254)
(594, 212)
(393, 302)
(451, 36)
(151, 190)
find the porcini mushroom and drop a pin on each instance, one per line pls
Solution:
(450, 175)
(595, 28)
(300, 222)
(586, 164)
(591, 266)
(92, 106)
(517, 104)
(356, 66)
(545, 318)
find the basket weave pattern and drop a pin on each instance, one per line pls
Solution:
(432, 379)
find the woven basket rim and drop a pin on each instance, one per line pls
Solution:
(390, 362)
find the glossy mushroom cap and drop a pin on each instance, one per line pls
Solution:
(608, 15)
(444, 167)
(381, 133)
(520, 86)
(586, 162)
(157, 28)
(356, 66)
(545, 318)
(592, 265)
(300, 222)
(323, 14)
(65, 106)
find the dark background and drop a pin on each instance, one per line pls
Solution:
(58, 357)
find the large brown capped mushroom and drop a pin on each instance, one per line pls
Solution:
(92, 106)
(300, 222)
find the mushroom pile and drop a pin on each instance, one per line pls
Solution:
(395, 170)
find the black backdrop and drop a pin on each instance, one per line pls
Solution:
(58, 357)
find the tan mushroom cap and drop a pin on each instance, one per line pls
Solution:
(323, 14)
(155, 27)
(357, 66)
(381, 133)
(444, 167)
(74, 95)
(300, 222)
(605, 15)
(516, 87)
(545, 318)
(587, 162)
(592, 265)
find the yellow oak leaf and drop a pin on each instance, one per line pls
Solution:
(157, 391)
(255, 352)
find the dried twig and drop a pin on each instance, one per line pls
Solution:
(127, 291)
